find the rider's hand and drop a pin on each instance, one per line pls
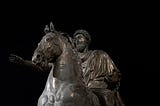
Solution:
(16, 59)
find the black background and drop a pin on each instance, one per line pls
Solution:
(119, 29)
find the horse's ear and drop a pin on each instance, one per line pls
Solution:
(52, 27)
(46, 29)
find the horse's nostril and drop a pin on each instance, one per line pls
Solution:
(38, 56)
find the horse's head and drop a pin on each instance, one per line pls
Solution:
(49, 48)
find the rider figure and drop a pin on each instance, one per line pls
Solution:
(99, 72)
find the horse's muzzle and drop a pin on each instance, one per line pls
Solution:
(36, 59)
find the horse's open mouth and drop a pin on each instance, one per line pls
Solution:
(44, 63)
(41, 64)
(38, 64)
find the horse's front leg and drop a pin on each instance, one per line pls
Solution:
(46, 100)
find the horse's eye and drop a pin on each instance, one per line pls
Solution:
(48, 39)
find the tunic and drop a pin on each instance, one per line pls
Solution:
(102, 76)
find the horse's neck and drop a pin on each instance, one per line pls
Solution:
(67, 67)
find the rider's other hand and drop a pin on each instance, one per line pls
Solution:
(16, 59)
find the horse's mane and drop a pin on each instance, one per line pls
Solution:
(48, 29)
(69, 38)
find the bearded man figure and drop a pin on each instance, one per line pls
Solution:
(100, 74)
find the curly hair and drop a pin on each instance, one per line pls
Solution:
(83, 32)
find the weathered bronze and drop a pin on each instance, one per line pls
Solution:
(100, 74)
(78, 76)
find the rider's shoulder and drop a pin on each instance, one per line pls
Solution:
(100, 52)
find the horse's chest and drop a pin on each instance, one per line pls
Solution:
(64, 94)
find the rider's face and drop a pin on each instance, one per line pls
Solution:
(80, 42)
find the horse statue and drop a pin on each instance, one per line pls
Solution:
(64, 86)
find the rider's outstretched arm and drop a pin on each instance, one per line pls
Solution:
(18, 60)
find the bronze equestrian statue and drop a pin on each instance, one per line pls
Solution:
(78, 76)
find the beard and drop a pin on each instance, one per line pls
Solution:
(80, 47)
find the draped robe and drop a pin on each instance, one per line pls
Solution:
(101, 75)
